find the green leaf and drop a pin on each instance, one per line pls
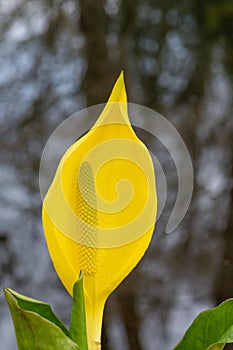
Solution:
(36, 326)
(211, 330)
(78, 319)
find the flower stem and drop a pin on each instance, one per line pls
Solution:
(94, 313)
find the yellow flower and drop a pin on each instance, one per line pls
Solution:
(99, 212)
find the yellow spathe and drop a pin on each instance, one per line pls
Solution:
(100, 210)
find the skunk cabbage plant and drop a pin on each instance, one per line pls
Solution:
(99, 212)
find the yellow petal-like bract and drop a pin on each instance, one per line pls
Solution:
(100, 210)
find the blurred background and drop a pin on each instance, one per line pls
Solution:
(57, 57)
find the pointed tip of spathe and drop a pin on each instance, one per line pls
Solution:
(118, 93)
(117, 102)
